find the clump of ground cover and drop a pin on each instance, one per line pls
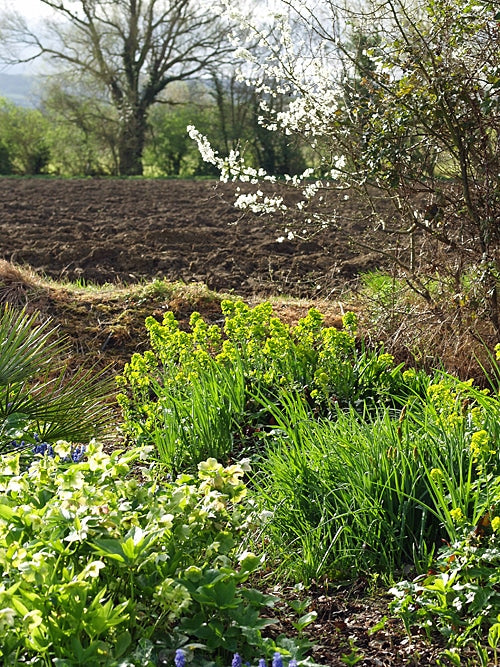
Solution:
(211, 390)
(108, 568)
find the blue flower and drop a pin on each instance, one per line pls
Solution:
(292, 663)
(43, 448)
(179, 659)
(277, 660)
(262, 662)
(237, 662)
(77, 453)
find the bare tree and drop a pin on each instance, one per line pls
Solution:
(133, 48)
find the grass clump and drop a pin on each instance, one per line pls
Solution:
(371, 493)
(37, 402)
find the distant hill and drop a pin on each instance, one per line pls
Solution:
(19, 88)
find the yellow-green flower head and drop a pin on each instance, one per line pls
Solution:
(385, 359)
(350, 322)
(409, 375)
(457, 515)
(436, 474)
(480, 445)
(495, 524)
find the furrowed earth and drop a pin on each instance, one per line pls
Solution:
(124, 235)
(132, 230)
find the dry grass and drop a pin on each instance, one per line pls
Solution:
(442, 336)
(105, 324)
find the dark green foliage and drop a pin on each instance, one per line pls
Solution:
(36, 397)
(5, 162)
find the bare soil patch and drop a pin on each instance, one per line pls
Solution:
(132, 230)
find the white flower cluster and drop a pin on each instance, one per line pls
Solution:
(285, 66)
(232, 168)
(259, 203)
(289, 235)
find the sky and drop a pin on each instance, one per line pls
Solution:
(30, 8)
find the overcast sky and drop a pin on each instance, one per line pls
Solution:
(32, 9)
(29, 8)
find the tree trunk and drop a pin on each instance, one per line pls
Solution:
(131, 142)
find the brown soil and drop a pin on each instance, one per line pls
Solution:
(131, 230)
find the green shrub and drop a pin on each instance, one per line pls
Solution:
(204, 392)
(23, 133)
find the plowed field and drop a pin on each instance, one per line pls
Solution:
(133, 230)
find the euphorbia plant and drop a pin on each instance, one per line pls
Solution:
(195, 394)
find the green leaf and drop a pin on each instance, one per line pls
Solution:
(123, 641)
(378, 626)
(494, 635)
(19, 606)
(212, 633)
(258, 598)
(6, 512)
(221, 594)
(129, 549)
(77, 647)
(305, 620)
(250, 563)
(300, 605)
(251, 620)
(111, 548)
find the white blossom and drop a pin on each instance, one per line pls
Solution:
(288, 66)
(258, 203)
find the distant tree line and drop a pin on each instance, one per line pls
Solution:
(74, 132)
(129, 77)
